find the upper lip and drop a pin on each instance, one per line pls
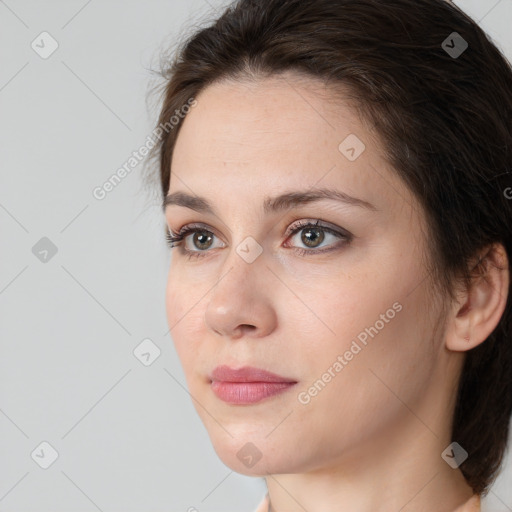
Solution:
(224, 373)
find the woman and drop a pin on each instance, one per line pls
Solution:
(335, 188)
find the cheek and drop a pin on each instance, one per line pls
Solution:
(367, 395)
(379, 329)
(174, 307)
(182, 298)
(182, 311)
(341, 310)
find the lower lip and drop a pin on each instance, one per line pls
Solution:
(248, 392)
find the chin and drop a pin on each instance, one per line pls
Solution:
(254, 454)
(245, 452)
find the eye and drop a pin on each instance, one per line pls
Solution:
(312, 235)
(201, 239)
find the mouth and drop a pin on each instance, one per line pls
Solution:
(244, 393)
(247, 385)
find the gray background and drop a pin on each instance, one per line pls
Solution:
(127, 435)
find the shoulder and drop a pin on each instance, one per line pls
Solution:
(472, 505)
(263, 506)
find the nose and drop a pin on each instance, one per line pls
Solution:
(240, 304)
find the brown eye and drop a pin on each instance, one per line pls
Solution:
(201, 240)
(312, 236)
(193, 241)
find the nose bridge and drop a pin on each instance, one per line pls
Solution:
(245, 253)
(240, 296)
(243, 270)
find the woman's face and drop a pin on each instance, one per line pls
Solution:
(339, 308)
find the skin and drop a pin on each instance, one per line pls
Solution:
(372, 438)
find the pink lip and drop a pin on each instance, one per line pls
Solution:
(246, 374)
(247, 385)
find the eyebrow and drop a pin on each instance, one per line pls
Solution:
(270, 204)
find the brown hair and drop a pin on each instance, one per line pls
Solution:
(446, 123)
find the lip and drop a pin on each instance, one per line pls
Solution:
(247, 385)
(224, 373)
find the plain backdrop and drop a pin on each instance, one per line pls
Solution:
(82, 279)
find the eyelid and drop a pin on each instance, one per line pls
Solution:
(302, 222)
(196, 225)
(296, 225)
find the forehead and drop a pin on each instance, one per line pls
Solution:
(277, 133)
(272, 113)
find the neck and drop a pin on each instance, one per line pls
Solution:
(402, 471)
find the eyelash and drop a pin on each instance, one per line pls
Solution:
(176, 240)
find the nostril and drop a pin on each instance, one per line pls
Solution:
(245, 328)
(240, 330)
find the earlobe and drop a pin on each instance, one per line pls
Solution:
(478, 310)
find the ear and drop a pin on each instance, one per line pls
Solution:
(478, 310)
